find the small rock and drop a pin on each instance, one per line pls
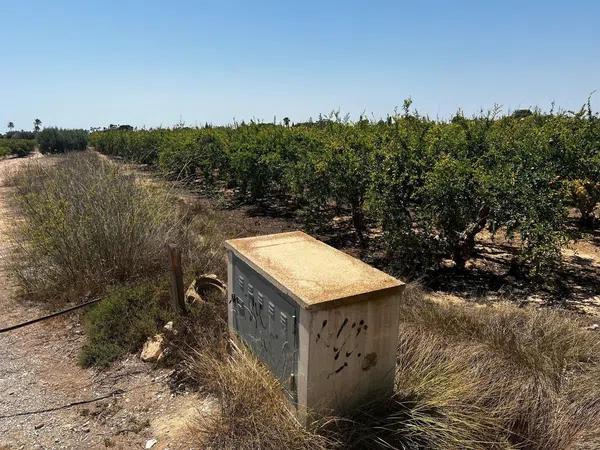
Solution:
(38, 426)
(593, 327)
(153, 348)
(166, 352)
(169, 326)
(150, 443)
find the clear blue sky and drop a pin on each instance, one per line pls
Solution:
(91, 63)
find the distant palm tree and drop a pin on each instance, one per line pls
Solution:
(286, 121)
(10, 126)
(37, 124)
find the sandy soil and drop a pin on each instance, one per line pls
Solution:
(39, 371)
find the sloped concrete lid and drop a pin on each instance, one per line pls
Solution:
(310, 271)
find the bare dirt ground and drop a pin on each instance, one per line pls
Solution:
(39, 372)
(489, 277)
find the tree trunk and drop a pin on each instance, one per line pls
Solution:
(463, 249)
(358, 220)
(588, 220)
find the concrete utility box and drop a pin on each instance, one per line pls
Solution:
(324, 322)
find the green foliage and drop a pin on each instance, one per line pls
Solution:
(21, 134)
(185, 154)
(17, 147)
(58, 140)
(122, 321)
(430, 186)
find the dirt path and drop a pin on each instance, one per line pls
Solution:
(39, 371)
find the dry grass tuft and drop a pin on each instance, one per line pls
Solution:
(468, 377)
(87, 224)
(253, 410)
(507, 374)
(542, 340)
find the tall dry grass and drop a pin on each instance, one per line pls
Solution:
(87, 224)
(468, 377)
(253, 412)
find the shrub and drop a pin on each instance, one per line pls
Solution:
(18, 147)
(21, 134)
(88, 224)
(58, 140)
(188, 154)
(123, 320)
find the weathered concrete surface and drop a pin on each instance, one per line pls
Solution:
(311, 272)
(348, 318)
(347, 354)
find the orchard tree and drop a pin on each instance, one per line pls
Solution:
(508, 183)
(349, 158)
(574, 142)
(437, 186)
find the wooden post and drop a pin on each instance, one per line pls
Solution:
(177, 289)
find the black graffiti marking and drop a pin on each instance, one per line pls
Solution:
(256, 312)
(342, 327)
(338, 351)
(323, 325)
(338, 370)
(363, 326)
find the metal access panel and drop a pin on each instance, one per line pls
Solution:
(267, 321)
